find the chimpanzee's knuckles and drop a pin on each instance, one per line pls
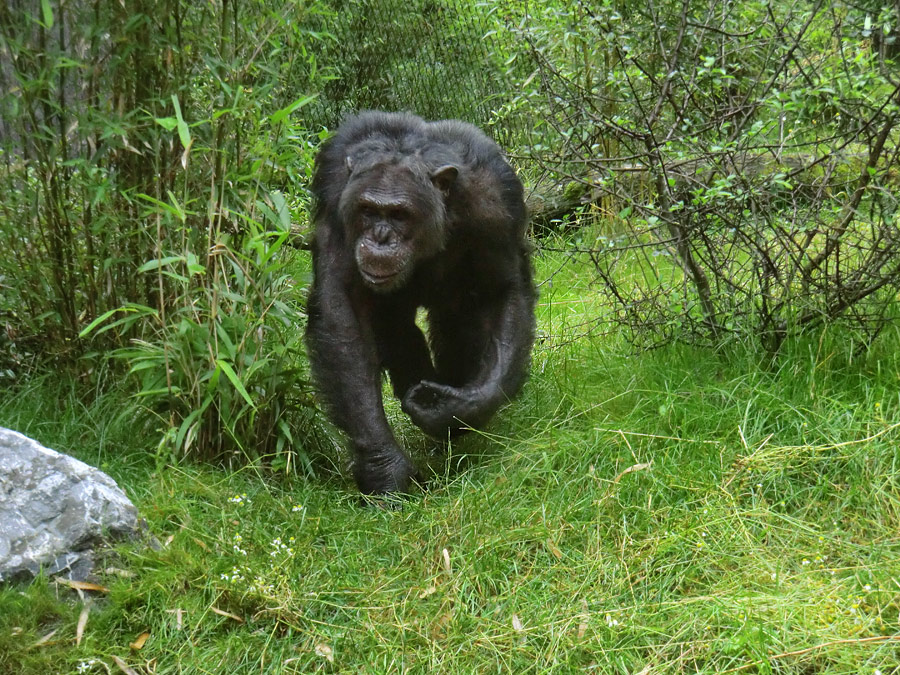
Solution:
(385, 475)
(433, 421)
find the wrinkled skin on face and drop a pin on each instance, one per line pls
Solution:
(394, 213)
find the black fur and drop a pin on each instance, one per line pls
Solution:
(413, 214)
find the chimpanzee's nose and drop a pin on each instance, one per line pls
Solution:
(381, 233)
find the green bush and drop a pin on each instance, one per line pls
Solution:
(152, 193)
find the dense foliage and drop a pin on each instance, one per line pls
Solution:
(154, 160)
(742, 154)
(152, 171)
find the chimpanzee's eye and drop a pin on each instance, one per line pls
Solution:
(398, 215)
(368, 211)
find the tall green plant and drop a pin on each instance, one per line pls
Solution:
(152, 177)
(81, 85)
(220, 366)
(217, 357)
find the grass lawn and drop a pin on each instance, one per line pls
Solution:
(678, 510)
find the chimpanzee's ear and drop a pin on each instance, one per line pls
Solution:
(443, 178)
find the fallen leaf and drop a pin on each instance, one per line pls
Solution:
(123, 666)
(445, 554)
(326, 652)
(82, 585)
(222, 612)
(139, 641)
(554, 549)
(439, 627)
(82, 622)
(44, 640)
(428, 591)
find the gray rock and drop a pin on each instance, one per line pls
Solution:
(55, 510)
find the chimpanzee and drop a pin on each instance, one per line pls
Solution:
(413, 214)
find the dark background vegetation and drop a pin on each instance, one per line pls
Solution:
(728, 168)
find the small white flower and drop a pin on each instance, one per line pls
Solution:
(867, 587)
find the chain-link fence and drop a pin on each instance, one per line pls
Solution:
(436, 58)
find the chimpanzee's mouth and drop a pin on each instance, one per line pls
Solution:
(378, 279)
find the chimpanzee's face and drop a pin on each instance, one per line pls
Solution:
(394, 216)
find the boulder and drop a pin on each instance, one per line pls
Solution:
(55, 511)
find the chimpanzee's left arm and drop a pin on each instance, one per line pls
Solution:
(488, 340)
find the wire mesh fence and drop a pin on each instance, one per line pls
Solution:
(435, 58)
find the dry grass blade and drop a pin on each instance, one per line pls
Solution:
(44, 640)
(82, 585)
(583, 624)
(631, 469)
(179, 617)
(124, 667)
(82, 622)
(445, 557)
(222, 612)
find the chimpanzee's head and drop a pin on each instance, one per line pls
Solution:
(394, 215)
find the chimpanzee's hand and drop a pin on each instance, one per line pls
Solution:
(439, 408)
(385, 470)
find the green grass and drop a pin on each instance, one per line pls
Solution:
(679, 510)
